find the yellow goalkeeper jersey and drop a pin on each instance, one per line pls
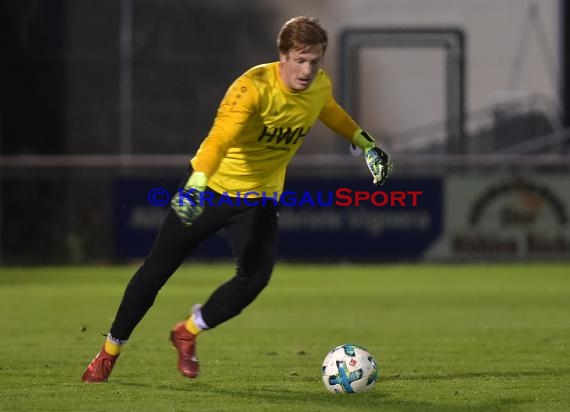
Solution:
(259, 126)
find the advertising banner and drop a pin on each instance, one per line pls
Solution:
(505, 218)
(140, 206)
(397, 222)
(319, 219)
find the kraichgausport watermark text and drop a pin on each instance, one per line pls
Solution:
(343, 197)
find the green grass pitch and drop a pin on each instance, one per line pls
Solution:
(446, 338)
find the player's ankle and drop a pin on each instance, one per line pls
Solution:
(191, 326)
(113, 346)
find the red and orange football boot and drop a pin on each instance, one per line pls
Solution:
(185, 343)
(100, 367)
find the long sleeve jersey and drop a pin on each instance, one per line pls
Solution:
(259, 126)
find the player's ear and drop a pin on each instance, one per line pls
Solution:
(283, 57)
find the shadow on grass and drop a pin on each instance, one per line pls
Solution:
(268, 398)
(375, 400)
(163, 387)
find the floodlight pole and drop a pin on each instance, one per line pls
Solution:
(125, 77)
(565, 61)
(1, 212)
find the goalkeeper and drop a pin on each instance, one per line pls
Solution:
(260, 123)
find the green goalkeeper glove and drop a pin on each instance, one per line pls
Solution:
(377, 160)
(188, 202)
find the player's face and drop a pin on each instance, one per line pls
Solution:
(298, 68)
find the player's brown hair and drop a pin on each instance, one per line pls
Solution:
(301, 32)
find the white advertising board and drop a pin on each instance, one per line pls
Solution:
(504, 218)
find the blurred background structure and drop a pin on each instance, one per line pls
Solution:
(103, 101)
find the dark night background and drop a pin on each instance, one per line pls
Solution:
(60, 95)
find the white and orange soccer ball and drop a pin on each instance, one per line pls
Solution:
(349, 368)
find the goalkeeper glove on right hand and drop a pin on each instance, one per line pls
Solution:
(188, 203)
(377, 160)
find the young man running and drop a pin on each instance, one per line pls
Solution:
(260, 124)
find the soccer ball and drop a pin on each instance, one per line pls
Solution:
(349, 368)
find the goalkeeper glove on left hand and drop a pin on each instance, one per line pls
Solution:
(188, 202)
(379, 164)
(377, 160)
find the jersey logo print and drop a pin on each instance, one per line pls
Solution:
(287, 135)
